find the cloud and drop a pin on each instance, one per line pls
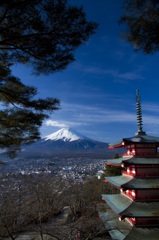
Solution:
(55, 124)
(78, 114)
(150, 107)
(112, 72)
(64, 124)
(74, 115)
(151, 120)
(108, 117)
(128, 75)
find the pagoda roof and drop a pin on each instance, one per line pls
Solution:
(117, 161)
(133, 183)
(117, 229)
(128, 208)
(143, 234)
(140, 161)
(134, 161)
(139, 138)
(122, 230)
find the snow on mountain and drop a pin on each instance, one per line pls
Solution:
(66, 142)
(65, 134)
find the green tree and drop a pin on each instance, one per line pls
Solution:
(116, 156)
(141, 18)
(112, 170)
(43, 34)
(20, 115)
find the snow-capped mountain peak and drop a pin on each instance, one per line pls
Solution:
(65, 134)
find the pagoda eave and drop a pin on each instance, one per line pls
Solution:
(112, 224)
(141, 161)
(127, 208)
(129, 182)
(123, 230)
(118, 161)
(118, 205)
(115, 146)
(137, 139)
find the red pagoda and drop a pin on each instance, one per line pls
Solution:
(135, 211)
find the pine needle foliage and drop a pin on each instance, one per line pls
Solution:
(42, 33)
(141, 18)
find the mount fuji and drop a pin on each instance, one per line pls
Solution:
(66, 142)
(66, 135)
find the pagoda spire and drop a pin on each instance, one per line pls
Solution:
(139, 114)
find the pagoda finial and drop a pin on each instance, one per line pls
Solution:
(139, 114)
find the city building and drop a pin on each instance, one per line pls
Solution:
(134, 212)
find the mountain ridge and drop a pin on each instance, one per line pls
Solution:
(65, 134)
(66, 141)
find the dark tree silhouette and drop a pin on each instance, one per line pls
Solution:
(43, 33)
(141, 18)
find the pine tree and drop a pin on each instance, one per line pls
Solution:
(42, 33)
(21, 114)
(142, 23)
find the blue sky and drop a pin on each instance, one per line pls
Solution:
(97, 91)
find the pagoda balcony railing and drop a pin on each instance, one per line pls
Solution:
(141, 175)
(143, 154)
(148, 175)
(128, 174)
(144, 222)
(128, 195)
(148, 199)
(124, 172)
(127, 155)
(141, 199)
